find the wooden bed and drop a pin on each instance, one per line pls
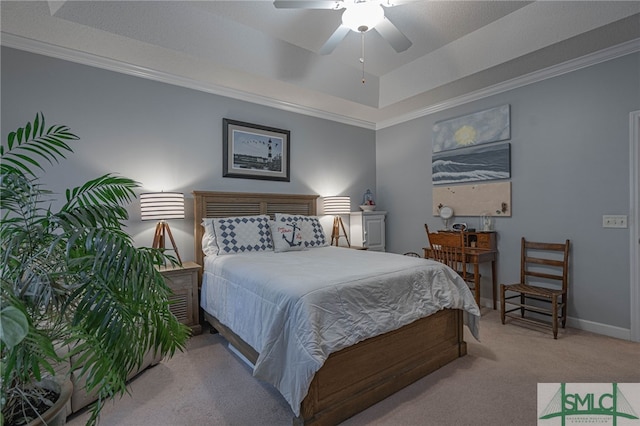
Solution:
(359, 376)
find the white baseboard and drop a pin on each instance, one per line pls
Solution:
(599, 328)
(580, 324)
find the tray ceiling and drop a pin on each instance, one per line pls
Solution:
(253, 51)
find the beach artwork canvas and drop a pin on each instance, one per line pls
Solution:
(477, 163)
(491, 125)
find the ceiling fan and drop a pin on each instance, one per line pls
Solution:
(359, 16)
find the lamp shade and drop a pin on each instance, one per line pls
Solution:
(161, 205)
(337, 205)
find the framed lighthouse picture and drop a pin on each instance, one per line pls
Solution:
(251, 151)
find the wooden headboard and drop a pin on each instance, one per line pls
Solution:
(210, 204)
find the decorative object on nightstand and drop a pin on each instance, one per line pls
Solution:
(368, 203)
(162, 206)
(183, 282)
(337, 206)
(368, 229)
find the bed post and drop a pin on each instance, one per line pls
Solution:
(462, 345)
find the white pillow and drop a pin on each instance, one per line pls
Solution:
(286, 237)
(312, 231)
(209, 243)
(242, 234)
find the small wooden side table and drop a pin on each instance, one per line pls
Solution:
(183, 281)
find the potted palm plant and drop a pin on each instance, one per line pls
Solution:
(71, 275)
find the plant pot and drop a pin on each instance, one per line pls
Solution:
(57, 414)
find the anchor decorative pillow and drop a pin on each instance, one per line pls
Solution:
(287, 236)
(312, 231)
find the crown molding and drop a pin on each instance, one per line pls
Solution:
(603, 55)
(84, 58)
(72, 55)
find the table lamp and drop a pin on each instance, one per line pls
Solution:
(162, 206)
(336, 206)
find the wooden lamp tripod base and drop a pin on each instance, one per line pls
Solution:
(162, 229)
(335, 235)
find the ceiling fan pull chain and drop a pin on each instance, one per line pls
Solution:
(362, 58)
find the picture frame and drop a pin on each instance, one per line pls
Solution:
(252, 151)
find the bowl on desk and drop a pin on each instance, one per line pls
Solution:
(367, 207)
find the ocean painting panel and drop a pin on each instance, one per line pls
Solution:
(491, 125)
(477, 163)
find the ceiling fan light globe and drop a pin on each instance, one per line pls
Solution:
(362, 17)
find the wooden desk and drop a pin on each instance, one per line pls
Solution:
(476, 256)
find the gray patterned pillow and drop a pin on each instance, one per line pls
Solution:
(242, 234)
(312, 231)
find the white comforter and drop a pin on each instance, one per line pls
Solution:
(296, 308)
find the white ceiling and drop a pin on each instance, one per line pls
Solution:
(251, 50)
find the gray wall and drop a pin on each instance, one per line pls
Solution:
(569, 166)
(569, 160)
(170, 138)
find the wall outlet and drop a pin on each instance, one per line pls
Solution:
(614, 221)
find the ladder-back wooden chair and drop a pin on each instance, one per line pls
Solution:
(544, 270)
(426, 228)
(449, 248)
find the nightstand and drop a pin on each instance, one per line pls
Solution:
(368, 229)
(183, 281)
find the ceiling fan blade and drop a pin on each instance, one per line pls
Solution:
(391, 3)
(392, 34)
(335, 39)
(302, 4)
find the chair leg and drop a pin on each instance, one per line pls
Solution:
(521, 304)
(554, 307)
(502, 303)
(563, 300)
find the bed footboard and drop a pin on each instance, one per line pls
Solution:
(359, 376)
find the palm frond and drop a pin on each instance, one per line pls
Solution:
(31, 144)
(75, 273)
(109, 190)
(34, 355)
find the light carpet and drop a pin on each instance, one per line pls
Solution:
(495, 384)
